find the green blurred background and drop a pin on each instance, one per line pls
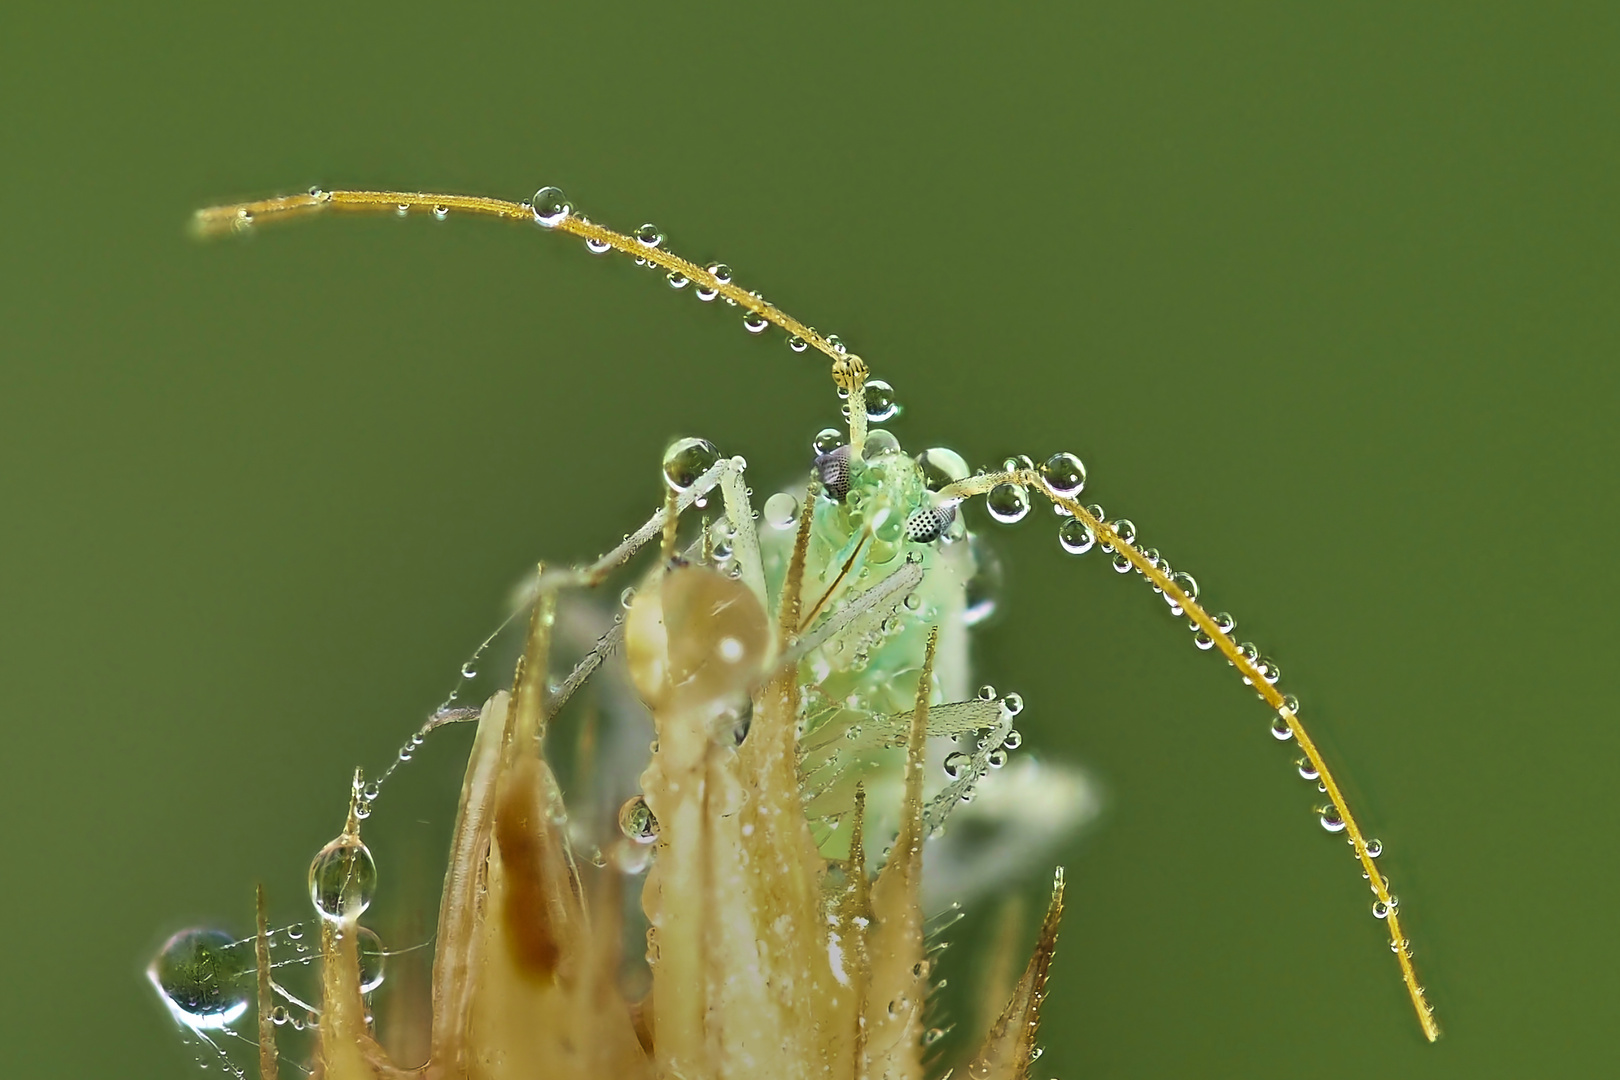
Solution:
(1325, 295)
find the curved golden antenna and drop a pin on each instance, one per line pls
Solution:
(849, 372)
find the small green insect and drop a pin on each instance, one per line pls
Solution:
(805, 665)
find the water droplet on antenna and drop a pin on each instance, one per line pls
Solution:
(342, 879)
(550, 207)
(1075, 536)
(1007, 503)
(1063, 474)
(688, 459)
(1331, 819)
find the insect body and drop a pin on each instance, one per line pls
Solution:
(806, 673)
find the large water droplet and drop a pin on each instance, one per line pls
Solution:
(686, 460)
(1063, 474)
(1331, 819)
(1007, 503)
(1307, 771)
(1126, 528)
(956, 763)
(343, 879)
(1075, 536)
(636, 820)
(755, 323)
(880, 401)
(649, 236)
(781, 510)
(1375, 847)
(205, 977)
(550, 207)
(941, 466)
(1280, 729)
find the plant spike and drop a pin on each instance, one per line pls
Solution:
(849, 372)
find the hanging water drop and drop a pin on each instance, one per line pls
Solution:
(441, 212)
(649, 236)
(797, 343)
(1186, 583)
(956, 763)
(997, 758)
(469, 670)
(1122, 565)
(1014, 739)
(1075, 536)
(342, 879)
(1063, 474)
(941, 466)
(372, 957)
(1125, 529)
(1380, 909)
(987, 693)
(550, 207)
(755, 323)
(204, 976)
(1331, 819)
(1375, 848)
(880, 401)
(1307, 771)
(781, 511)
(677, 280)
(827, 440)
(1013, 703)
(686, 460)
(1280, 729)
(597, 246)
(1202, 640)
(1007, 503)
(636, 820)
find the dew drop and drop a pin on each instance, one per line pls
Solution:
(1075, 536)
(1375, 848)
(1014, 739)
(677, 280)
(755, 323)
(704, 293)
(1126, 529)
(941, 466)
(1291, 703)
(1013, 703)
(1380, 909)
(1122, 565)
(469, 670)
(1007, 503)
(1186, 583)
(441, 212)
(686, 460)
(550, 207)
(649, 236)
(1063, 474)
(342, 879)
(1280, 729)
(597, 246)
(1331, 819)
(636, 820)
(720, 272)
(987, 693)
(1307, 771)
(204, 977)
(372, 959)
(1269, 670)
(402, 209)
(881, 404)
(1202, 640)
(827, 440)
(956, 763)
(997, 758)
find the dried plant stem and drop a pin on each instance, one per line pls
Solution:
(850, 374)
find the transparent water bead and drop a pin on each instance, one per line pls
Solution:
(1063, 474)
(636, 820)
(1375, 847)
(956, 764)
(827, 440)
(373, 959)
(755, 323)
(688, 459)
(720, 272)
(1126, 530)
(1075, 536)
(205, 977)
(797, 343)
(1280, 729)
(1307, 771)
(649, 236)
(881, 404)
(781, 511)
(596, 246)
(941, 466)
(1007, 503)
(343, 879)
(1331, 819)
(550, 207)
(677, 280)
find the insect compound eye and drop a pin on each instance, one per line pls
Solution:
(928, 523)
(832, 469)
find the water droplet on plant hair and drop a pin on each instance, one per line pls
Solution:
(441, 212)
(205, 977)
(1063, 474)
(880, 442)
(1331, 819)
(1307, 771)
(1280, 729)
(1007, 503)
(686, 460)
(373, 959)
(636, 820)
(597, 247)
(1075, 536)
(649, 236)
(1375, 848)
(720, 272)
(880, 401)
(956, 763)
(342, 879)
(677, 280)
(550, 207)
(940, 466)
(755, 323)
(781, 510)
